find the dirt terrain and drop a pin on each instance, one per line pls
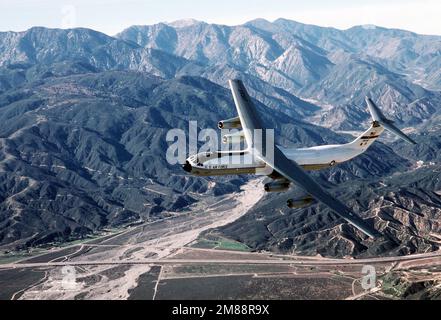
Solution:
(162, 260)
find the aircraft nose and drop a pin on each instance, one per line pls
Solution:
(187, 167)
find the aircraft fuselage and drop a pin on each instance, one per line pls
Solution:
(314, 158)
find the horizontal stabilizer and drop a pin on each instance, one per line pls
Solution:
(387, 124)
(392, 128)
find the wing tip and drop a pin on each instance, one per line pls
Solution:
(235, 80)
(370, 232)
(411, 141)
(376, 235)
(234, 83)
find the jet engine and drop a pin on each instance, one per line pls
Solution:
(301, 203)
(237, 137)
(233, 123)
(277, 186)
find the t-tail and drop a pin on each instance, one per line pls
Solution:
(381, 120)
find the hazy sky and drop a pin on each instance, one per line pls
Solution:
(112, 16)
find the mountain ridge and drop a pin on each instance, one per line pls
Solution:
(85, 115)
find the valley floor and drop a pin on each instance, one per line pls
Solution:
(167, 259)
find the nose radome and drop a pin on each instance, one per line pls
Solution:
(187, 167)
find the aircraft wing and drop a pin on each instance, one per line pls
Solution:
(289, 169)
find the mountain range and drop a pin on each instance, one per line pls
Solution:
(84, 117)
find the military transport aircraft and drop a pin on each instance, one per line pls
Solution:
(288, 165)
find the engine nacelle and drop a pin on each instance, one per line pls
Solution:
(277, 186)
(301, 203)
(237, 137)
(233, 123)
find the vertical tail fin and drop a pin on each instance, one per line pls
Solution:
(364, 141)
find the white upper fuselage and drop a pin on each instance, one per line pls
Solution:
(321, 154)
(314, 158)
